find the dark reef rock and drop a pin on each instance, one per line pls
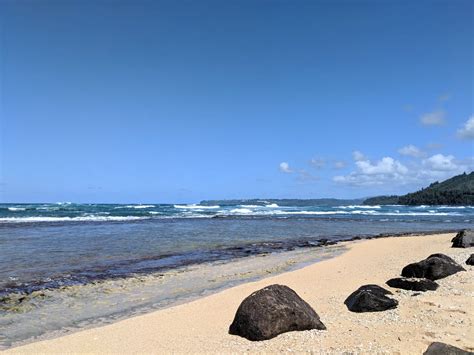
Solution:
(436, 266)
(464, 239)
(437, 348)
(370, 298)
(271, 311)
(470, 260)
(412, 284)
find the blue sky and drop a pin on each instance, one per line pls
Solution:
(177, 101)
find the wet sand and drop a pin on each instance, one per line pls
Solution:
(201, 326)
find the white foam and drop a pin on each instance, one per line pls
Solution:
(135, 206)
(361, 206)
(69, 219)
(418, 214)
(241, 211)
(454, 207)
(272, 205)
(16, 209)
(315, 212)
(195, 206)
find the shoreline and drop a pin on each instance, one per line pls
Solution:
(230, 254)
(201, 325)
(214, 277)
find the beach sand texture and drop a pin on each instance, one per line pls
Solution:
(201, 326)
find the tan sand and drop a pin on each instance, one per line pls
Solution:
(201, 326)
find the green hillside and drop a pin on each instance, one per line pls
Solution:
(458, 190)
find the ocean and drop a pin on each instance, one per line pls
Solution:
(66, 266)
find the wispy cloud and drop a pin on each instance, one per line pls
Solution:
(285, 168)
(411, 151)
(435, 118)
(444, 97)
(304, 176)
(318, 163)
(340, 164)
(467, 131)
(357, 155)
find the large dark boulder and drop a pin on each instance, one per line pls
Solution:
(464, 239)
(436, 266)
(412, 284)
(370, 298)
(470, 260)
(437, 348)
(271, 311)
(442, 256)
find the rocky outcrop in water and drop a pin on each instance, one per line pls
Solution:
(437, 348)
(436, 266)
(464, 239)
(271, 311)
(412, 284)
(370, 298)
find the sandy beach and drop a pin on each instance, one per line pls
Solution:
(201, 326)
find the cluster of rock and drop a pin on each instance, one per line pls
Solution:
(277, 309)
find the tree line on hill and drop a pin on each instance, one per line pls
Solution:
(457, 191)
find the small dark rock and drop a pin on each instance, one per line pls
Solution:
(271, 311)
(432, 268)
(412, 284)
(437, 348)
(470, 260)
(370, 298)
(464, 239)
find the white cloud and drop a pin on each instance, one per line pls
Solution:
(467, 132)
(339, 164)
(440, 162)
(357, 155)
(411, 151)
(435, 118)
(318, 163)
(385, 166)
(390, 172)
(285, 168)
(368, 173)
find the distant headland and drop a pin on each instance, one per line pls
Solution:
(458, 190)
